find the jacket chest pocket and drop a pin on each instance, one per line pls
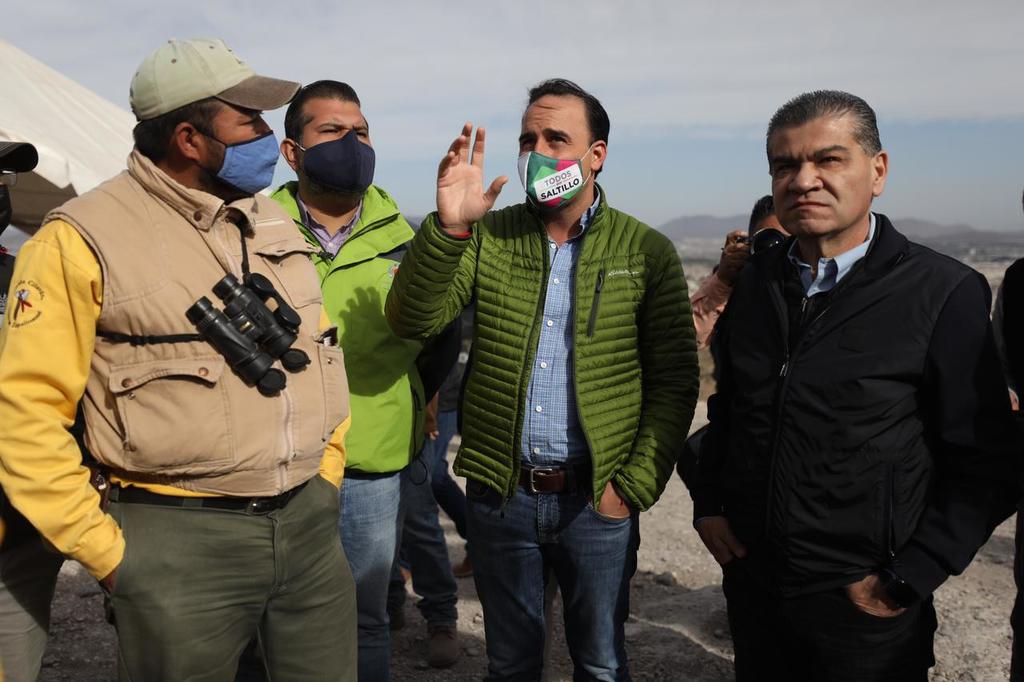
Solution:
(289, 266)
(174, 415)
(617, 290)
(332, 367)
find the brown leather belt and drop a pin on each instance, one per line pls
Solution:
(553, 479)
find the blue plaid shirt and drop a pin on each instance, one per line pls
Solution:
(552, 434)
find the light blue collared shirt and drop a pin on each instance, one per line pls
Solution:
(830, 270)
(552, 434)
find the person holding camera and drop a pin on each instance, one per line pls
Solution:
(708, 302)
(178, 306)
(28, 569)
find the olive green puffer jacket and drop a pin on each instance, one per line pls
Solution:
(634, 352)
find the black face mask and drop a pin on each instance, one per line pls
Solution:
(342, 165)
(6, 212)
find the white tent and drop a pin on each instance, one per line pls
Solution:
(82, 138)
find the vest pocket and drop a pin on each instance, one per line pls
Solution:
(174, 415)
(288, 263)
(332, 368)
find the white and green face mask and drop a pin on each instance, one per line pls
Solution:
(551, 182)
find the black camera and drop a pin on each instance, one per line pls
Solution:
(15, 157)
(763, 240)
(249, 334)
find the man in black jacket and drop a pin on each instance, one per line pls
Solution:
(1008, 320)
(861, 435)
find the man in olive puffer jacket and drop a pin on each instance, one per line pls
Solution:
(581, 386)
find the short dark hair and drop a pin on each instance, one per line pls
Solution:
(812, 105)
(597, 117)
(764, 207)
(295, 118)
(153, 136)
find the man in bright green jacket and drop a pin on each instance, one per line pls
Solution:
(358, 237)
(581, 386)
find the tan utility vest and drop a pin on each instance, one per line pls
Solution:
(176, 413)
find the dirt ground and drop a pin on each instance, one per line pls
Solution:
(677, 630)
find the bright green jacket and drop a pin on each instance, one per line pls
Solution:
(634, 353)
(385, 389)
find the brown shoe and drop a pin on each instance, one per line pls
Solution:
(443, 646)
(463, 569)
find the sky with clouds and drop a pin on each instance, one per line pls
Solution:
(689, 86)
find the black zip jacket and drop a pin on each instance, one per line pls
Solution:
(865, 428)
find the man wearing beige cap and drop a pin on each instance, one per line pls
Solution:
(180, 309)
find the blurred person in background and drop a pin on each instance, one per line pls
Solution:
(1008, 321)
(709, 300)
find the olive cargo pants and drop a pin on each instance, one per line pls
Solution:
(196, 584)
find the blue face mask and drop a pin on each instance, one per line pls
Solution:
(342, 165)
(249, 166)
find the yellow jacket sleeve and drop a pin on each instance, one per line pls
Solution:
(46, 344)
(332, 464)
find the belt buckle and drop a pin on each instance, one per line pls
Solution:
(260, 506)
(533, 481)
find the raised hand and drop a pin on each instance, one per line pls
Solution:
(461, 199)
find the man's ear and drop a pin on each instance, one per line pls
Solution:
(290, 152)
(187, 142)
(598, 154)
(880, 167)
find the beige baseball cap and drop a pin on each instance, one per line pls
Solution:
(184, 71)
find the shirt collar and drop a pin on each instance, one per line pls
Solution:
(831, 270)
(588, 215)
(331, 243)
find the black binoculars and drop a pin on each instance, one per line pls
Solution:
(249, 334)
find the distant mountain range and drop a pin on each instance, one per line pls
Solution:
(716, 227)
(925, 230)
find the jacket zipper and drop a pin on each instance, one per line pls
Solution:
(517, 437)
(592, 322)
(889, 513)
(784, 374)
(594, 493)
(416, 407)
(289, 437)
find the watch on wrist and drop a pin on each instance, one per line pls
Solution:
(901, 593)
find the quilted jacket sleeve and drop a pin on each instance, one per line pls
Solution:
(671, 379)
(434, 282)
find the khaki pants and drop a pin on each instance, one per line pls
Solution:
(197, 584)
(28, 576)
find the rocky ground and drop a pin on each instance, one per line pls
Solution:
(677, 630)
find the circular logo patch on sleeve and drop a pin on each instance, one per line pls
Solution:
(26, 307)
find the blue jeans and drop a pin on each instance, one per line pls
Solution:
(424, 550)
(447, 492)
(592, 557)
(369, 535)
